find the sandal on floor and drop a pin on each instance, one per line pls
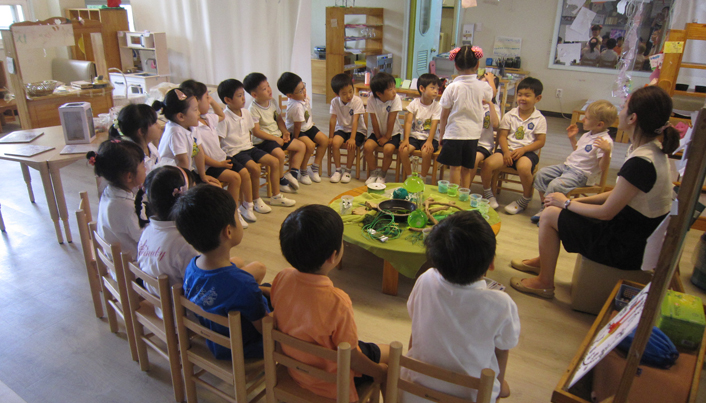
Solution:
(516, 283)
(518, 264)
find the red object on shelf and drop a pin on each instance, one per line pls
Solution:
(114, 3)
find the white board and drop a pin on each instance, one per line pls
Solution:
(43, 36)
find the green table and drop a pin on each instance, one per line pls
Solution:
(400, 255)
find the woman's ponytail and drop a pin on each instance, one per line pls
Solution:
(670, 139)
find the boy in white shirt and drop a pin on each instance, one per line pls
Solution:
(421, 124)
(457, 322)
(383, 106)
(522, 131)
(270, 133)
(347, 117)
(300, 123)
(591, 154)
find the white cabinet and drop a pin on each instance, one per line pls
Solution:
(143, 57)
(136, 84)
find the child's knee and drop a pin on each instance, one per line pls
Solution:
(388, 150)
(244, 174)
(322, 140)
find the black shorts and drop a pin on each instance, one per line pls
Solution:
(417, 144)
(270, 145)
(216, 172)
(484, 151)
(394, 140)
(243, 157)
(455, 153)
(359, 137)
(195, 176)
(534, 158)
(372, 351)
(311, 133)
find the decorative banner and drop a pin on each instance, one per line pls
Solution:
(623, 84)
(507, 47)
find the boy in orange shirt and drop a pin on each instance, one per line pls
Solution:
(308, 306)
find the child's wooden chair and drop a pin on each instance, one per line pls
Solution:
(161, 331)
(344, 153)
(378, 150)
(265, 174)
(502, 175)
(244, 376)
(83, 217)
(484, 384)
(586, 190)
(282, 388)
(112, 275)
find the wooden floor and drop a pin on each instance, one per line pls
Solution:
(54, 350)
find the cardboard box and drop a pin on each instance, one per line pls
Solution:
(682, 319)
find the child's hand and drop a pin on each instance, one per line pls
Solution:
(350, 144)
(507, 158)
(504, 390)
(382, 377)
(572, 131)
(428, 147)
(403, 145)
(280, 141)
(226, 164)
(603, 144)
(211, 180)
(517, 154)
(286, 136)
(382, 141)
(489, 77)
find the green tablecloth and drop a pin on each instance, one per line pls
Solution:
(406, 257)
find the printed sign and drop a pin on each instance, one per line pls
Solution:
(507, 47)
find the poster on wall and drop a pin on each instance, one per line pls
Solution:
(467, 36)
(507, 47)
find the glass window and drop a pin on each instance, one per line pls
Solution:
(425, 16)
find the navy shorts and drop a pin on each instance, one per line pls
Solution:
(530, 154)
(458, 153)
(372, 351)
(270, 145)
(359, 137)
(417, 144)
(311, 133)
(484, 151)
(243, 157)
(394, 140)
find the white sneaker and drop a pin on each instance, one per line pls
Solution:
(305, 179)
(493, 203)
(287, 189)
(293, 183)
(346, 177)
(242, 220)
(280, 200)
(380, 179)
(247, 213)
(513, 208)
(372, 178)
(336, 177)
(260, 206)
(313, 175)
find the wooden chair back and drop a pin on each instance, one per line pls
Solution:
(607, 63)
(502, 176)
(594, 189)
(145, 310)
(113, 285)
(484, 384)
(282, 388)
(83, 217)
(244, 376)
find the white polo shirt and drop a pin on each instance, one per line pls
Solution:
(235, 131)
(117, 221)
(522, 132)
(177, 140)
(422, 118)
(487, 135)
(152, 160)
(382, 109)
(464, 96)
(458, 328)
(345, 112)
(266, 116)
(207, 135)
(586, 157)
(299, 111)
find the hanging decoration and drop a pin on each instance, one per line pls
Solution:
(633, 10)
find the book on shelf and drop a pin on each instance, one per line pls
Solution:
(21, 136)
(27, 150)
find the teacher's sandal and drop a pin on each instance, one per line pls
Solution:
(516, 283)
(518, 264)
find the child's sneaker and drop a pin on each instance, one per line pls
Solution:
(293, 182)
(372, 178)
(493, 202)
(247, 213)
(346, 177)
(280, 200)
(242, 220)
(260, 206)
(313, 174)
(336, 177)
(305, 179)
(380, 179)
(535, 217)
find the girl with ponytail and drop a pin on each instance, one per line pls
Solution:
(138, 122)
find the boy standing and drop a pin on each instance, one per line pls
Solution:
(310, 308)
(237, 144)
(522, 131)
(383, 105)
(300, 123)
(453, 289)
(591, 154)
(347, 112)
(205, 217)
(271, 134)
(421, 123)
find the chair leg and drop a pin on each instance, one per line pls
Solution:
(495, 183)
(434, 167)
(357, 163)
(268, 178)
(2, 223)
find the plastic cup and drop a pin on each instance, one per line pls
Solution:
(425, 233)
(443, 186)
(483, 206)
(463, 194)
(486, 217)
(346, 204)
(475, 198)
(453, 190)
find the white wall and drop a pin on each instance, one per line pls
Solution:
(395, 30)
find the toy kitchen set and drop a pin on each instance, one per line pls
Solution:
(143, 56)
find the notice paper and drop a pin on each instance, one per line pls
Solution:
(582, 22)
(576, 3)
(507, 47)
(568, 52)
(576, 36)
(469, 3)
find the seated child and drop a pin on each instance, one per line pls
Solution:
(347, 117)
(236, 142)
(609, 54)
(300, 123)
(308, 306)
(205, 217)
(522, 131)
(457, 322)
(421, 124)
(591, 154)
(138, 122)
(383, 106)
(271, 134)
(491, 120)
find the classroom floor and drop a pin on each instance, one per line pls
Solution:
(55, 350)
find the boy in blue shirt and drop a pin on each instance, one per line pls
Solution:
(213, 280)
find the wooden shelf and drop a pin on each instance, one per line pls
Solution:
(693, 66)
(672, 62)
(690, 94)
(363, 26)
(112, 21)
(360, 38)
(138, 48)
(350, 67)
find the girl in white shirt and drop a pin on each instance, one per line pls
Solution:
(138, 122)
(462, 115)
(122, 164)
